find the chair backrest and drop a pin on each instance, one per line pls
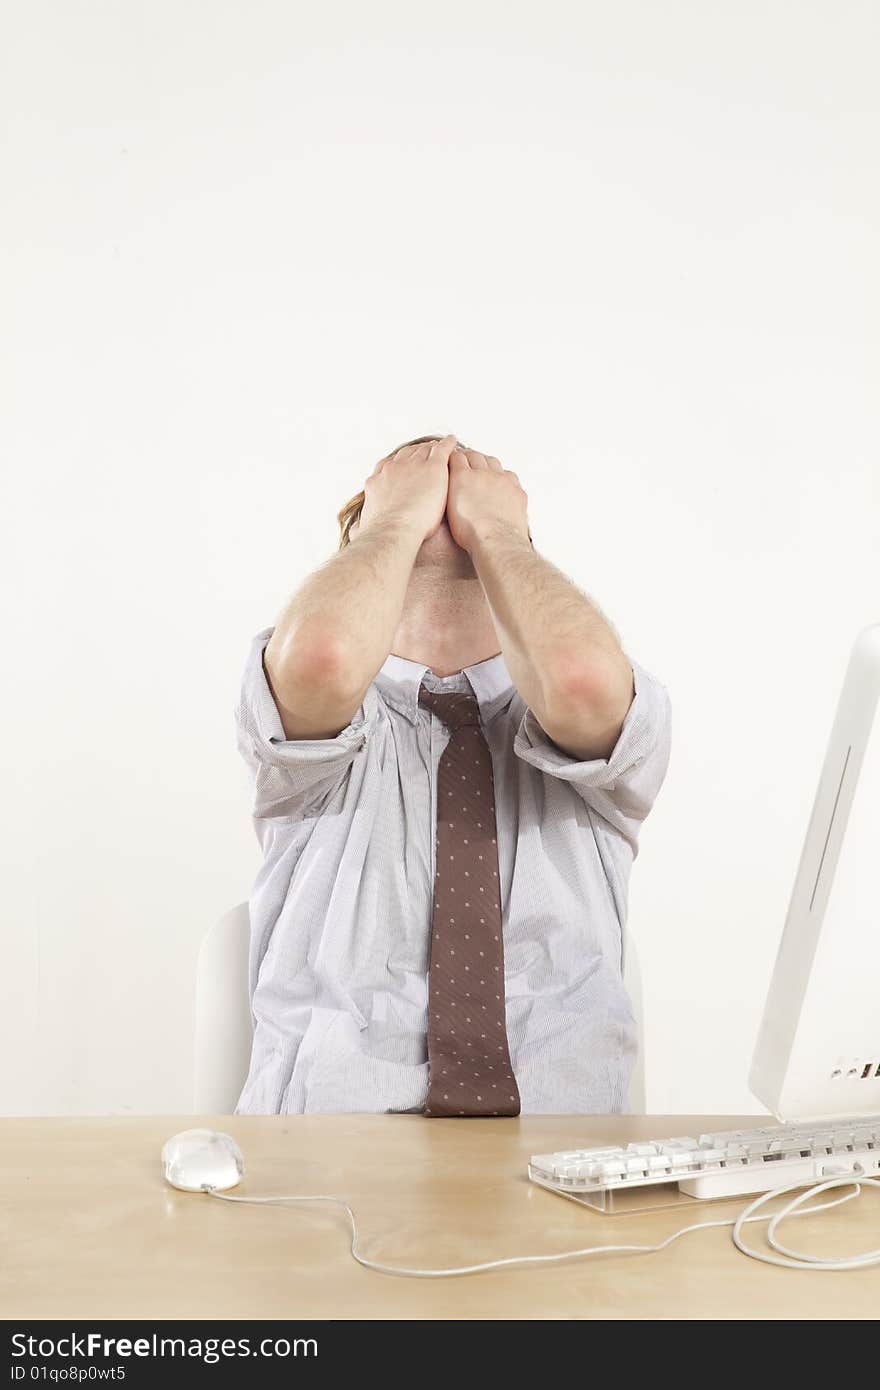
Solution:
(224, 1023)
(632, 979)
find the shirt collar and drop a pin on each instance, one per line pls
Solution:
(400, 679)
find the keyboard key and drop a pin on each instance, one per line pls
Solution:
(610, 1168)
(659, 1162)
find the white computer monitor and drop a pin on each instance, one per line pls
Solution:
(818, 1050)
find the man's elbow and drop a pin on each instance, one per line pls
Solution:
(310, 660)
(603, 687)
(586, 711)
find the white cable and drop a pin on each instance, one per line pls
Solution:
(797, 1262)
(797, 1258)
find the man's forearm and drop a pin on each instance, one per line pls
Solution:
(345, 613)
(562, 654)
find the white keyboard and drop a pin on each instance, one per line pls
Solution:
(720, 1165)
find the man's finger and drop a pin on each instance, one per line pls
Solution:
(476, 460)
(442, 448)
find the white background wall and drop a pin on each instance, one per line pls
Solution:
(629, 248)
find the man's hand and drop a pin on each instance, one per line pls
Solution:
(483, 498)
(410, 488)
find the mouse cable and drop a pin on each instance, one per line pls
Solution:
(790, 1259)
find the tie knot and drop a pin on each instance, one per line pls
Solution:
(456, 708)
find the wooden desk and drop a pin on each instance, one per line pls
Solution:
(92, 1230)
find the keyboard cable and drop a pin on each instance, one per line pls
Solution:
(785, 1256)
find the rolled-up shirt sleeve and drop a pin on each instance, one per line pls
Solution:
(621, 788)
(287, 774)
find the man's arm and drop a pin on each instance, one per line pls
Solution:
(563, 657)
(337, 629)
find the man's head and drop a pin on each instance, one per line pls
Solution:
(446, 620)
(350, 515)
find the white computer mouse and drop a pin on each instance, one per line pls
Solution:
(200, 1158)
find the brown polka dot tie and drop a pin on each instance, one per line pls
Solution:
(470, 1072)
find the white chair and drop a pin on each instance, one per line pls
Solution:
(224, 1025)
(632, 979)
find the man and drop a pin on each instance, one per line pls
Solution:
(451, 758)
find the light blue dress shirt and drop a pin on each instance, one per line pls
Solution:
(341, 906)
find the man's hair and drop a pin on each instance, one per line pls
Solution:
(351, 512)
